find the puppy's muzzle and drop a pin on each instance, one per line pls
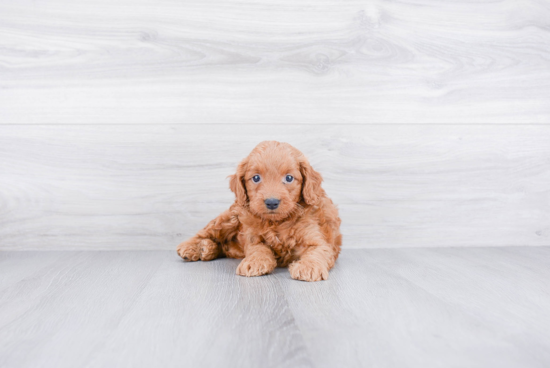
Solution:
(272, 203)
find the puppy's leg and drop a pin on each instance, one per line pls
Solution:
(259, 260)
(314, 263)
(205, 245)
(197, 248)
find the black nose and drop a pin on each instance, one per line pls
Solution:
(272, 203)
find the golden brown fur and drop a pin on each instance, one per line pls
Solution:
(303, 232)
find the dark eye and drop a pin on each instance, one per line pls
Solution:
(289, 178)
(256, 178)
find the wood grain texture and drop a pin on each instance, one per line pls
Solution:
(312, 62)
(146, 187)
(461, 307)
(454, 307)
(120, 120)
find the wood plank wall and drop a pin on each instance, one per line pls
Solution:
(120, 120)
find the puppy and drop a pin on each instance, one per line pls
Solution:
(281, 217)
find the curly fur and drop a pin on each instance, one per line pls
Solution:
(303, 233)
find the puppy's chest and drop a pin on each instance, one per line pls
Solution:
(282, 242)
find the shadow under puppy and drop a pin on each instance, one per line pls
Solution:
(281, 217)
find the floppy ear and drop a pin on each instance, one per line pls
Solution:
(311, 185)
(236, 183)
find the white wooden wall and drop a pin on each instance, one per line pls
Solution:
(120, 120)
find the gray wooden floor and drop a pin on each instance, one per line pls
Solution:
(453, 307)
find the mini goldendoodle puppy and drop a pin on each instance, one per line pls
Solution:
(281, 217)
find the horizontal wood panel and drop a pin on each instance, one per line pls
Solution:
(216, 62)
(149, 187)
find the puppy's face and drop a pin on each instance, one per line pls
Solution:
(273, 183)
(273, 179)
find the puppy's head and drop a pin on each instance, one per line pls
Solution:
(275, 180)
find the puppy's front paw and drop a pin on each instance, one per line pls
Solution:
(307, 271)
(256, 266)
